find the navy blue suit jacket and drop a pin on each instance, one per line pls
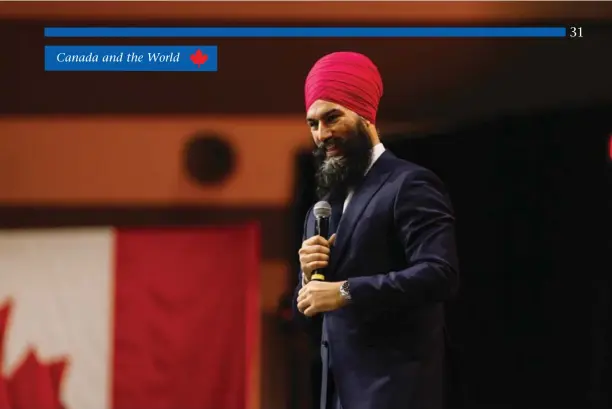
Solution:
(396, 247)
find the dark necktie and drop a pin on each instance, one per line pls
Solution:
(337, 204)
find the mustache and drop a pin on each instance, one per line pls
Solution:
(332, 143)
(341, 144)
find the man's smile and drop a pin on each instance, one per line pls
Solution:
(332, 151)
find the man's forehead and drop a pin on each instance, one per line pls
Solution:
(321, 108)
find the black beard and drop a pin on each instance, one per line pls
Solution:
(336, 174)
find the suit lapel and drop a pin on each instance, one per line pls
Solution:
(363, 194)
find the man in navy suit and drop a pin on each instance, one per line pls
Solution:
(391, 263)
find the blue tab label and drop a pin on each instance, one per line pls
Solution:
(131, 58)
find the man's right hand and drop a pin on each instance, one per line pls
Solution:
(314, 255)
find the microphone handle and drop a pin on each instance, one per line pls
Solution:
(321, 229)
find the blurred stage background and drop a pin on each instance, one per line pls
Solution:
(149, 221)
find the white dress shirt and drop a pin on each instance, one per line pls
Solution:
(377, 151)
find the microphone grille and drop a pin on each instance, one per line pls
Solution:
(322, 209)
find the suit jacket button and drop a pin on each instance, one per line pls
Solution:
(325, 343)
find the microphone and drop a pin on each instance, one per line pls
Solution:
(322, 212)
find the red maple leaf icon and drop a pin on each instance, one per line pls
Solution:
(198, 58)
(33, 384)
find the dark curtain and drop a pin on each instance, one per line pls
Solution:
(529, 192)
(529, 328)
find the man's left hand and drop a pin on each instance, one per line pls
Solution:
(320, 296)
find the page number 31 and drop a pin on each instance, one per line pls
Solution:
(575, 32)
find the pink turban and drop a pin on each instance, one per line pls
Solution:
(348, 79)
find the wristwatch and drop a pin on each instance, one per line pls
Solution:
(345, 291)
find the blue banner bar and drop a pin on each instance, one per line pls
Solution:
(310, 32)
(130, 58)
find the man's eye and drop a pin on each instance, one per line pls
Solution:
(332, 119)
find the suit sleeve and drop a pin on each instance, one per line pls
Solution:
(424, 222)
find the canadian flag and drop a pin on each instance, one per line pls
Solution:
(129, 319)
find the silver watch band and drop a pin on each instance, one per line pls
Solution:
(345, 291)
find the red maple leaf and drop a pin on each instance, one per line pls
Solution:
(33, 384)
(198, 58)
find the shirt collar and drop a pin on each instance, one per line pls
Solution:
(377, 151)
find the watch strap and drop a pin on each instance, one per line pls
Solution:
(345, 291)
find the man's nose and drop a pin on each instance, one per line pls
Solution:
(324, 133)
